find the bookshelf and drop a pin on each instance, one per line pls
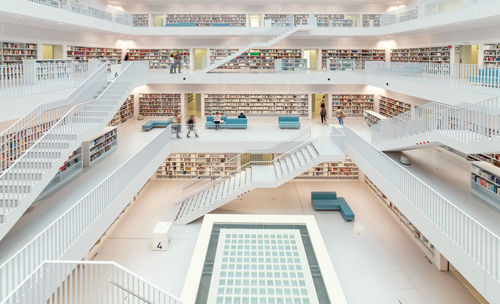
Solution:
(424, 244)
(391, 107)
(427, 54)
(16, 52)
(140, 20)
(83, 53)
(182, 165)
(206, 20)
(159, 104)
(353, 105)
(300, 19)
(342, 65)
(493, 159)
(360, 56)
(290, 65)
(372, 118)
(408, 15)
(260, 105)
(255, 59)
(158, 58)
(485, 182)
(345, 170)
(371, 20)
(334, 20)
(279, 20)
(219, 54)
(100, 146)
(125, 112)
(491, 55)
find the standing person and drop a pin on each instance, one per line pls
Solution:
(172, 63)
(191, 126)
(322, 112)
(340, 116)
(178, 61)
(217, 119)
(178, 122)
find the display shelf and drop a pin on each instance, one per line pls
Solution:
(290, 65)
(342, 65)
(279, 20)
(345, 170)
(491, 56)
(83, 53)
(141, 20)
(334, 20)
(301, 19)
(427, 54)
(391, 107)
(181, 165)
(256, 59)
(219, 54)
(360, 56)
(16, 52)
(371, 20)
(159, 58)
(125, 112)
(485, 182)
(493, 159)
(99, 147)
(159, 104)
(206, 20)
(372, 118)
(353, 105)
(426, 246)
(257, 104)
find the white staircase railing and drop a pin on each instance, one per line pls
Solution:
(53, 242)
(15, 138)
(76, 282)
(466, 123)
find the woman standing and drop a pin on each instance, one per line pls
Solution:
(322, 112)
(340, 116)
(171, 60)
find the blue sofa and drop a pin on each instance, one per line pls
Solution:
(155, 124)
(228, 123)
(289, 122)
(330, 201)
(486, 76)
(180, 24)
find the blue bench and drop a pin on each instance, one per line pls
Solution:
(180, 24)
(228, 123)
(486, 76)
(289, 122)
(155, 124)
(330, 201)
(220, 24)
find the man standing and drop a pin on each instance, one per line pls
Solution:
(178, 61)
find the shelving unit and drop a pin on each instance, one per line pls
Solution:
(219, 54)
(99, 147)
(391, 107)
(493, 159)
(181, 165)
(159, 104)
(414, 233)
(491, 55)
(141, 20)
(158, 58)
(206, 20)
(371, 20)
(290, 65)
(257, 59)
(353, 105)
(300, 19)
(345, 170)
(257, 104)
(83, 53)
(334, 20)
(279, 20)
(372, 118)
(16, 52)
(342, 65)
(125, 112)
(359, 56)
(485, 182)
(430, 54)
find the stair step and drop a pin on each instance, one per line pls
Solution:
(305, 154)
(301, 157)
(295, 161)
(284, 166)
(277, 168)
(248, 176)
(312, 150)
(289, 164)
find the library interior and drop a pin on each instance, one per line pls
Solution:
(250, 152)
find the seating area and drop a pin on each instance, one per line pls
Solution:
(329, 201)
(148, 126)
(289, 122)
(486, 76)
(227, 123)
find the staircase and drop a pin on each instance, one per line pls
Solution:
(468, 128)
(25, 179)
(254, 174)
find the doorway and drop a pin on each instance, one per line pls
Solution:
(312, 59)
(254, 20)
(317, 100)
(466, 54)
(50, 52)
(193, 104)
(200, 59)
(158, 20)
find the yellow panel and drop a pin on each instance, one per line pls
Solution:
(47, 51)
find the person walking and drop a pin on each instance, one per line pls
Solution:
(178, 61)
(322, 112)
(178, 122)
(191, 126)
(171, 60)
(217, 119)
(340, 116)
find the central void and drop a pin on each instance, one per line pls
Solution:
(261, 264)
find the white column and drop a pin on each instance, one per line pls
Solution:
(202, 106)
(183, 105)
(191, 59)
(480, 54)
(310, 106)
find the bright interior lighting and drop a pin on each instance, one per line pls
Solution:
(395, 7)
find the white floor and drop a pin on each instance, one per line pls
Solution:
(375, 259)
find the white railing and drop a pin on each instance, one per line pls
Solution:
(77, 282)
(466, 123)
(15, 139)
(55, 240)
(34, 77)
(478, 242)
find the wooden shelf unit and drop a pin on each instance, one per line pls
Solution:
(83, 53)
(98, 147)
(353, 105)
(371, 20)
(256, 59)
(207, 20)
(334, 20)
(159, 58)
(360, 56)
(125, 112)
(300, 19)
(260, 105)
(426, 54)
(140, 20)
(159, 104)
(372, 118)
(182, 165)
(426, 246)
(16, 52)
(391, 107)
(345, 170)
(485, 182)
(491, 55)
